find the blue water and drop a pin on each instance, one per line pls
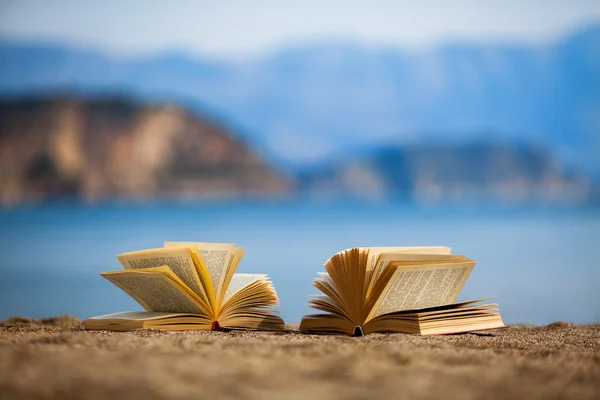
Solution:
(542, 265)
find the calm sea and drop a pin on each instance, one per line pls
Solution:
(542, 265)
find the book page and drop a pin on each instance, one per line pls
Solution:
(326, 324)
(155, 292)
(422, 286)
(326, 285)
(386, 259)
(340, 268)
(240, 281)
(234, 261)
(137, 315)
(250, 302)
(178, 259)
(374, 252)
(376, 264)
(265, 320)
(216, 257)
(327, 304)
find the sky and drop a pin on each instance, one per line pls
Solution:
(237, 29)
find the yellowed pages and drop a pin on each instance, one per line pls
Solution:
(339, 268)
(374, 252)
(125, 321)
(240, 281)
(467, 325)
(398, 259)
(362, 280)
(137, 315)
(216, 257)
(257, 298)
(234, 261)
(168, 273)
(326, 285)
(155, 292)
(263, 321)
(326, 324)
(327, 304)
(250, 302)
(422, 286)
(178, 259)
(375, 267)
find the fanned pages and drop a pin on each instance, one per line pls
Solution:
(191, 285)
(396, 289)
(216, 257)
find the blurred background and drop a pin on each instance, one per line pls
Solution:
(297, 129)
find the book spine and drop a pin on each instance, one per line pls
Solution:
(358, 331)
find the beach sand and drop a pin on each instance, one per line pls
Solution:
(54, 358)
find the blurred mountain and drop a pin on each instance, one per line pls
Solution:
(110, 148)
(307, 104)
(484, 172)
(113, 148)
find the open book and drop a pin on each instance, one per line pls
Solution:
(191, 285)
(397, 289)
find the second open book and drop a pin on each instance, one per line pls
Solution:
(397, 289)
(191, 285)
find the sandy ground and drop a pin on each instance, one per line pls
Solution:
(56, 359)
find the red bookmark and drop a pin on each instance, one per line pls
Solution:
(216, 326)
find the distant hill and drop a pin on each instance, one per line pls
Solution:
(114, 148)
(307, 104)
(477, 172)
(94, 149)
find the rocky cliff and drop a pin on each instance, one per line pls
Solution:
(115, 148)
